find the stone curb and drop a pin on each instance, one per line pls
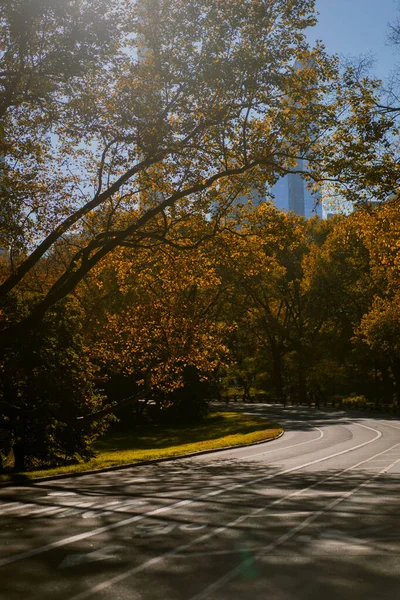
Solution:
(31, 482)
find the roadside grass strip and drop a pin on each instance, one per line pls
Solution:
(218, 430)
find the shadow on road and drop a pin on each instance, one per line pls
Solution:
(302, 535)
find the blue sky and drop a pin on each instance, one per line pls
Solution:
(354, 27)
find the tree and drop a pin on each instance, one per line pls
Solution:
(49, 382)
(391, 86)
(49, 50)
(379, 325)
(165, 107)
(356, 274)
(46, 45)
(194, 93)
(166, 111)
(154, 319)
(253, 265)
(361, 153)
(277, 324)
(336, 277)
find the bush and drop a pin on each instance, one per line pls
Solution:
(356, 401)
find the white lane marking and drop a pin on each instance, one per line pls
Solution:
(378, 460)
(181, 549)
(33, 511)
(68, 512)
(373, 457)
(19, 505)
(154, 529)
(69, 507)
(283, 538)
(164, 509)
(321, 435)
(28, 508)
(75, 560)
(111, 507)
(192, 527)
(362, 536)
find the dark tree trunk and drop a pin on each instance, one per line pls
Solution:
(301, 381)
(387, 385)
(277, 368)
(396, 376)
(19, 458)
(278, 375)
(246, 392)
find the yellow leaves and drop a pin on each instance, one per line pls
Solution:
(380, 231)
(159, 313)
(380, 326)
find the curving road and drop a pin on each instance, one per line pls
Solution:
(311, 516)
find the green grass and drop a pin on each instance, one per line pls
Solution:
(218, 430)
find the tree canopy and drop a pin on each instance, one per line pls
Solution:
(144, 125)
(128, 131)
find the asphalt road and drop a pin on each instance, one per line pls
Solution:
(313, 515)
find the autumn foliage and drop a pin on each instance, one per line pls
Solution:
(133, 272)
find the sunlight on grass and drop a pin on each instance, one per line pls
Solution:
(218, 430)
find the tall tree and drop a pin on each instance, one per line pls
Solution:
(272, 303)
(191, 93)
(154, 314)
(380, 325)
(48, 52)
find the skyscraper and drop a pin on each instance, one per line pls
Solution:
(290, 193)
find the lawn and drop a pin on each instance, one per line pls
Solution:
(217, 430)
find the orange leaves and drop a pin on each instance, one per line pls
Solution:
(159, 314)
